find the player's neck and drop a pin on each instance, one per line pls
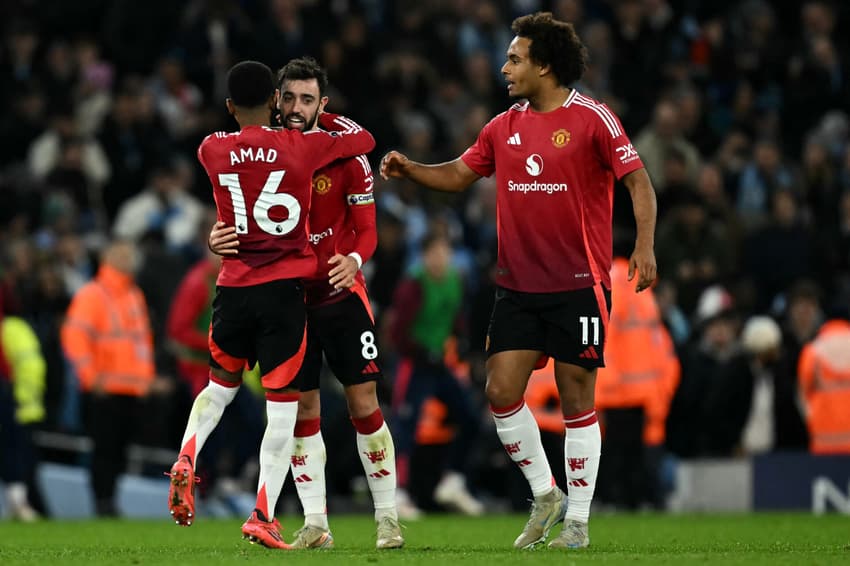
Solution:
(548, 99)
(246, 119)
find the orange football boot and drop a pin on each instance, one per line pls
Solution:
(257, 530)
(181, 493)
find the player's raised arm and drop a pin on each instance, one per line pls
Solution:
(644, 205)
(450, 176)
(349, 141)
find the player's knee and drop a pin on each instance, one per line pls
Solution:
(577, 391)
(362, 400)
(576, 405)
(309, 405)
(501, 393)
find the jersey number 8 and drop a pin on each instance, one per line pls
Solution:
(268, 198)
(369, 351)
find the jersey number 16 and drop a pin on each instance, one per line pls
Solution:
(268, 198)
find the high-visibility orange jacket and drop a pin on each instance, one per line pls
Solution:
(641, 367)
(824, 373)
(432, 427)
(107, 336)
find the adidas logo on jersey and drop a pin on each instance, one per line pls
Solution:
(514, 140)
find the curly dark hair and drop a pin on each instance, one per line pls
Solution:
(303, 69)
(554, 43)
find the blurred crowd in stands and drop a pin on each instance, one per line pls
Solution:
(739, 109)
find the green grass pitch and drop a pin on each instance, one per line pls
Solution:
(773, 539)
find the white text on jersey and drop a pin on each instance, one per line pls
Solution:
(627, 153)
(536, 187)
(268, 155)
(316, 238)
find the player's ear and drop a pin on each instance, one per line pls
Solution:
(544, 70)
(322, 103)
(231, 109)
(273, 100)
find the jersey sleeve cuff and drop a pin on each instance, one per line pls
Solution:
(481, 171)
(631, 168)
(356, 257)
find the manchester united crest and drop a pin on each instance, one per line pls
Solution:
(560, 138)
(321, 184)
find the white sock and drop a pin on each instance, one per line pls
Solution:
(308, 471)
(16, 495)
(377, 453)
(206, 411)
(582, 449)
(275, 452)
(520, 436)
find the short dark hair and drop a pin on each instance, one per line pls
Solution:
(554, 43)
(250, 84)
(303, 69)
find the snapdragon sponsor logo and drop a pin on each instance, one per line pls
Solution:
(534, 165)
(315, 238)
(536, 187)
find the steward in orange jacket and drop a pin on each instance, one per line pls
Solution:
(107, 338)
(824, 373)
(107, 335)
(641, 367)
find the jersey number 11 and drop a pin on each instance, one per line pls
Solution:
(594, 321)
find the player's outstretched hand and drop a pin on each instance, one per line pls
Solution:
(393, 164)
(341, 276)
(642, 261)
(223, 239)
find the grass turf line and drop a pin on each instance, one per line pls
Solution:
(771, 539)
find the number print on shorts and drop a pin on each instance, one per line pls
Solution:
(369, 351)
(594, 320)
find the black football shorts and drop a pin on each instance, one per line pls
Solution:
(568, 326)
(263, 323)
(345, 332)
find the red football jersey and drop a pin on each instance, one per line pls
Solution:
(342, 220)
(555, 182)
(261, 181)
